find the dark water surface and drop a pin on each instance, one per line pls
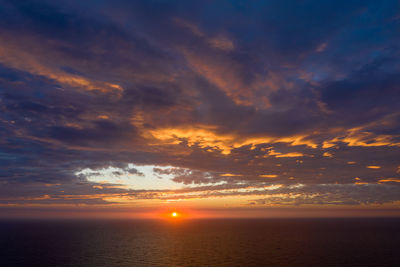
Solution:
(274, 242)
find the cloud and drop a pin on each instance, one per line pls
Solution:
(268, 176)
(331, 195)
(180, 101)
(207, 136)
(373, 167)
(390, 180)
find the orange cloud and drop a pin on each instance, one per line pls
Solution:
(290, 155)
(285, 155)
(222, 74)
(206, 136)
(268, 176)
(220, 42)
(103, 117)
(359, 137)
(18, 57)
(226, 74)
(389, 180)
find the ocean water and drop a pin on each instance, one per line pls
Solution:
(262, 242)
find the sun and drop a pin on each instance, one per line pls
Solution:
(174, 214)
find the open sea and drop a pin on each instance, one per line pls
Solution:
(229, 242)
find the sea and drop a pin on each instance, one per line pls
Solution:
(203, 242)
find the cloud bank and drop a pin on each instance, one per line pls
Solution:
(119, 101)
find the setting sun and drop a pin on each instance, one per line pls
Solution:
(174, 214)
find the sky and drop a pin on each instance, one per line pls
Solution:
(212, 108)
